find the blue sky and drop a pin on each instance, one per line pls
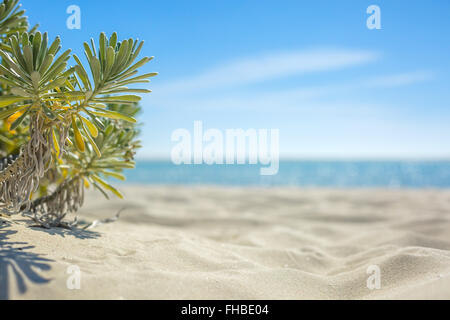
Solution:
(311, 69)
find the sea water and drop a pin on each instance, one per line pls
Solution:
(306, 173)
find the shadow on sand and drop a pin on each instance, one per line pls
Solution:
(19, 265)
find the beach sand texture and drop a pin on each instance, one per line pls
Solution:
(237, 243)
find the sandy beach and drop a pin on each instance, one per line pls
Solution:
(237, 243)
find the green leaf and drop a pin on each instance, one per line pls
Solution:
(62, 59)
(55, 83)
(129, 98)
(139, 64)
(92, 128)
(13, 65)
(139, 79)
(81, 72)
(17, 52)
(13, 75)
(114, 175)
(53, 73)
(113, 40)
(46, 63)
(55, 143)
(28, 55)
(49, 113)
(6, 113)
(136, 53)
(127, 90)
(67, 95)
(109, 163)
(19, 120)
(97, 122)
(54, 48)
(94, 145)
(18, 91)
(102, 52)
(94, 51)
(35, 78)
(96, 71)
(10, 81)
(79, 142)
(36, 46)
(42, 51)
(87, 51)
(92, 142)
(121, 57)
(25, 41)
(8, 100)
(110, 58)
(113, 115)
(95, 184)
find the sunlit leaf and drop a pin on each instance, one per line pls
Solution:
(113, 115)
(107, 186)
(19, 120)
(79, 142)
(91, 127)
(8, 100)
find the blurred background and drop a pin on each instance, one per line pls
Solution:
(355, 107)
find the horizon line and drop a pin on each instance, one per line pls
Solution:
(324, 158)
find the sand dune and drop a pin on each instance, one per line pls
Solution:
(238, 243)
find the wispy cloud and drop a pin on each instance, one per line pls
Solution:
(305, 97)
(269, 67)
(400, 79)
(339, 115)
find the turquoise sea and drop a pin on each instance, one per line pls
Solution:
(393, 174)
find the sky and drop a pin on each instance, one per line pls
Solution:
(312, 69)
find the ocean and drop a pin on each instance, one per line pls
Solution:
(345, 174)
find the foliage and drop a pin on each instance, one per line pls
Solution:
(64, 127)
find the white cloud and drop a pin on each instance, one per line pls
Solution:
(268, 67)
(338, 117)
(401, 79)
(301, 98)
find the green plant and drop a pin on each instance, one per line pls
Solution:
(64, 128)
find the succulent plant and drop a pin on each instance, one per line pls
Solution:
(63, 127)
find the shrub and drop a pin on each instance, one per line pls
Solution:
(63, 128)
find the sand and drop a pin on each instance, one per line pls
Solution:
(237, 243)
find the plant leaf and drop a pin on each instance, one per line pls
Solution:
(92, 128)
(8, 100)
(107, 186)
(55, 143)
(19, 120)
(113, 115)
(79, 142)
(6, 113)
